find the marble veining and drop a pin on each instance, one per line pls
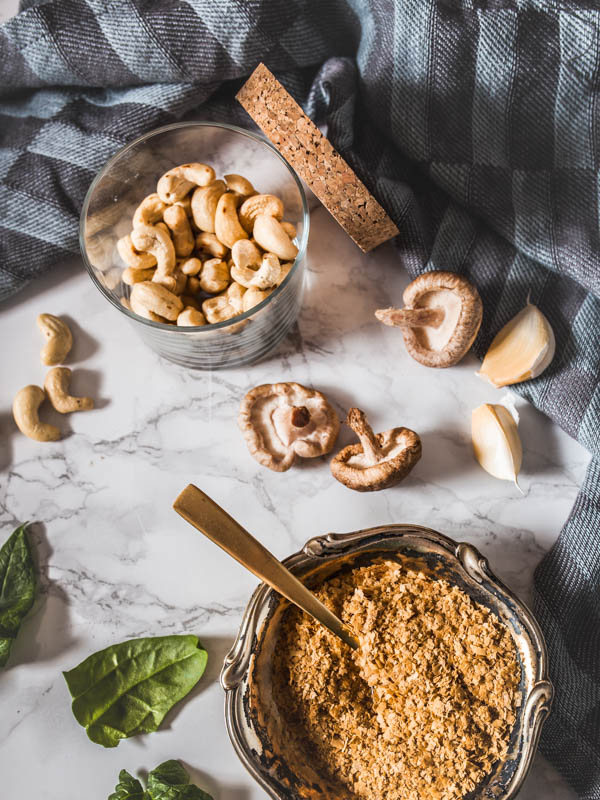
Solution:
(116, 562)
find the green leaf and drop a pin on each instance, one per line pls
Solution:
(128, 788)
(17, 588)
(128, 688)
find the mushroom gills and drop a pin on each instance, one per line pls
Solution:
(389, 448)
(436, 338)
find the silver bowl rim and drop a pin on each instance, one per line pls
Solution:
(197, 329)
(319, 549)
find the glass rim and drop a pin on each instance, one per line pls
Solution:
(198, 329)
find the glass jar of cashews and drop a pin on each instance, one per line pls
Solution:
(197, 233)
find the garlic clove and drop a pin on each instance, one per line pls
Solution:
(521, 350)
(496, 441)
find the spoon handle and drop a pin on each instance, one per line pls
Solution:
(214, 522)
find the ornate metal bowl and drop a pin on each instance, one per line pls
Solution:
(246, 672)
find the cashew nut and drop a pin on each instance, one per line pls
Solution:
(215, 276)
(57, 388)
(260, 204)
(186, 204)
(191, 266)
(152, 298)
(191, 316)
(268, 275)
(149, 211)
(224, 306)
(131, 256)
(240, 185)
(177, 182)
(175, 283)
(271, 236)
(210, 243)
(253, 297)
(245, 254)
(204, 205)
(193, 285)
(132, 275)
(59, 339)
(289, 229)
(25, 411)
(227, 224)
(153, 239)
(183, 238)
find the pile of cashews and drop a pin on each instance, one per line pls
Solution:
(203, 250)
(27, 402)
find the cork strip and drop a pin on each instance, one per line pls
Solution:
(305, 148)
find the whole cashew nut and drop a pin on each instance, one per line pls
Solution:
(224, 306)
(289, 229)
(271, 236)
(132, 275)
(175, 283)
(227, 225)
(191, 266)
(149, 211)
(191, 316)
(245, 254)
(25, 411)
(59, 339)
(260, 204)
(57, 388)
(153, 239)
(152, 298)
(240, 185)
(210, 243)
(204, 205)
(193, 285)
(131, 256)
(253, 297)
(179, 225)
(215, 276)
(177, 182)
(267, 276)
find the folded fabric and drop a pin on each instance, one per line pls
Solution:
(474, 122)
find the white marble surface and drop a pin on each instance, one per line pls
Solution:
(115, 560)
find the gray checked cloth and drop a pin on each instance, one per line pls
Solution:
(476, 123)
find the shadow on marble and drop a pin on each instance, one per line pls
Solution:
(84, 345)
(7, 429)
(535, 429)
(217, 648)
(445, 455)
(217, 790)
(87, 383)
(45, 632)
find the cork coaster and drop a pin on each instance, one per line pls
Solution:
(303, 146)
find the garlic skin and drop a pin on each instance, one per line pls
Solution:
(496, 441)
(521, 350)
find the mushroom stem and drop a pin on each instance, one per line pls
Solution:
(300, 416)
(411, 317)
(357, 420)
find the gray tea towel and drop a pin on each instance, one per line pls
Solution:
(476, 123)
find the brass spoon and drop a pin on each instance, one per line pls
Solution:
(214, 522)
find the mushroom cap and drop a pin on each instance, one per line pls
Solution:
(281, 421)
(446, 345)
(401, 449)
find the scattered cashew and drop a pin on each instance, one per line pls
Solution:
(132, 275)
(259, 204)
(271, 236)
(177, 182)
(57, 388)
(191, 266)
(245, 253)
(153, 239)
(131, 256)
(267, 276)
(191, 316)
(224, 306)
(253, 297)
(149, 211)
(227, 225)
(204, 205)
(152, 298)
(181, 231)
(25, 411)
(59, 339)
(215, 276)
(240, 185)
(210, 243)
(289, 229)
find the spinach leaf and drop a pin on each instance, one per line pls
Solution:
(128, 788)
(128, 688)
(169, 781)
(17, 587)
